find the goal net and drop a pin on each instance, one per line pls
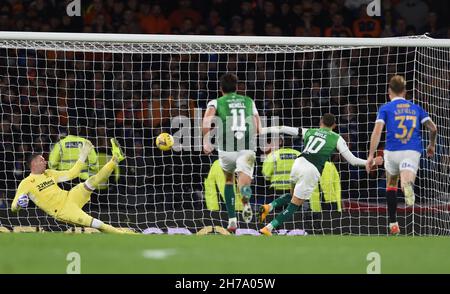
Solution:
(134, 87)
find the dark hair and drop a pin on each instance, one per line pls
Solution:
(397, 84)
(31, 158)
(328, 120)
(228, 83)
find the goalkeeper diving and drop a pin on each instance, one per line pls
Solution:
(66, 206)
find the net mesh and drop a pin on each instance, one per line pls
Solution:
(135, 91)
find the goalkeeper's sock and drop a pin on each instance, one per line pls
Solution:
(98, 224)
(229, 200)
(391, 198)
(110, 229)
(102, 176)
(282, 217)
(246, 192)
(280, 201)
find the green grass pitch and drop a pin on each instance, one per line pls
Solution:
(102, 253)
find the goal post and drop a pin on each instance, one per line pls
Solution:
(133, 87)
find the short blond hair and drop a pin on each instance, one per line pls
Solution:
(397, 84)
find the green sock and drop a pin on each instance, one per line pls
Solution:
(229, 200)
(246, 193)
(286, 214)
(281, 201)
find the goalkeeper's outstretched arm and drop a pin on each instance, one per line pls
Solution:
(63, 176)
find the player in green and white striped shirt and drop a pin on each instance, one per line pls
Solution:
(320, 144)
(237, 123)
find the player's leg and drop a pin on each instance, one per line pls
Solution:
(306, 177)
(408, 170)
(79, 195)
(407, 179)
(105, 228)
(71, 213)
(244, 181)
(103, 174)
(245, 164)
(391, 164)
(391, 199)
(230, 201)
(293, 206)
(227, 161)
(265, 209)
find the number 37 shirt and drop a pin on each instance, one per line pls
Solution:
(403, 120)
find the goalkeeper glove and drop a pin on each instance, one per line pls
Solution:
(85, 149)
(23, 201)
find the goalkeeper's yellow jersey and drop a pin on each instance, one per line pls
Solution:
(43, 189)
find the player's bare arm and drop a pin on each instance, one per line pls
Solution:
(431, 126)
(257, 123)
(206, 128)
(345, 152)
(374, 141)
(286, 130)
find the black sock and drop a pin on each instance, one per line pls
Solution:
(391, 198)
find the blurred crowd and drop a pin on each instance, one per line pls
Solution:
(339, 18)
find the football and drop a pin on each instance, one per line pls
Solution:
(164, 141)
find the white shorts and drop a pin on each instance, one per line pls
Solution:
(240, 161)
(305, 176)
(397, 161)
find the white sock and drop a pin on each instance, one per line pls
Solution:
(88, 186)
(269, 227)
(116, 160)
(232, 220)
(270, 207)
(96, 223)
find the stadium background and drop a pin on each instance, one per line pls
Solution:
(39, 102)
